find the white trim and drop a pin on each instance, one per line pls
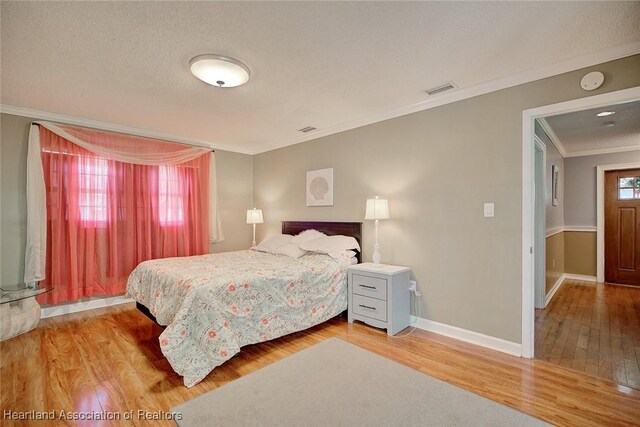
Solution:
(604, 151)
(553, 231)
(582, 228)
(582, 277)
(594, 152)
(528, 132)
(552, 136)
(59, 310)
(528, 234)
(554, 289)
(466, 335)
(560, 282)
(575, 228)
(95, 124)
(600, 170)
(540, 222)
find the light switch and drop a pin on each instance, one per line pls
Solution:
(489, 211)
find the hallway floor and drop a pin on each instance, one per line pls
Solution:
(592, 328)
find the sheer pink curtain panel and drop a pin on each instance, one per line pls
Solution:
(105, 216)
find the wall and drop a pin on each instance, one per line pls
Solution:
(580, 249)
(554, 260)
(580, 185)
(554, 215)
(437, 167)
(234, 173)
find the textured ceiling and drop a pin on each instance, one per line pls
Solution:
(585, 131)
(313, 63)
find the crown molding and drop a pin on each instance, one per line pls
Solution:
(460, 94)
(95, 124)
(552, 136)
(598, 151)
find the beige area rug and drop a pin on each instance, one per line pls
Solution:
(335, 383)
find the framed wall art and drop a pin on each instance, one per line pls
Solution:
(555, 171)
(320, 187)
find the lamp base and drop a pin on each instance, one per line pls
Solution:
(376, 256)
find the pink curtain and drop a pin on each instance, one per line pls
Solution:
(104, 217)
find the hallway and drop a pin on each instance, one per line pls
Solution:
(592, 328)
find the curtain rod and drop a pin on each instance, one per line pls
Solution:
(99, 130)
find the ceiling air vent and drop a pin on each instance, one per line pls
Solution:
(439, 89)
(307, 129)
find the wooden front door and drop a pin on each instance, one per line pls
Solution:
(622, 227)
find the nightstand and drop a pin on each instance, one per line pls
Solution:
(379, 296)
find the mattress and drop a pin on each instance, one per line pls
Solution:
(212, 305)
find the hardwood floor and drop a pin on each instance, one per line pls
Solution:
(109, 360)
(592, 328)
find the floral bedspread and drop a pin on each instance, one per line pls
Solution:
(214, 304)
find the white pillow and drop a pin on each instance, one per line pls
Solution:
(290, 249)
(330, 244)
(271, 243)
(349, 256)
(307, 235)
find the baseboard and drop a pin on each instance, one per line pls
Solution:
(560, 281)
(554, 289)
(466, 335)
(580, 277)
(59, 310)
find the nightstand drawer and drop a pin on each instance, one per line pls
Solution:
(370, 286)
(370, 307)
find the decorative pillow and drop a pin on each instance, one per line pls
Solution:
(290, 249)
(307, 235)
(349, 256)
(330, 244)
(271, 243)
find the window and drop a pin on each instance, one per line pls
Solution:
(93, 195)
(93, 176)
(629, 188)
(170, 196)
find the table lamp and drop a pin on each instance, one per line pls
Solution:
(254, 216)
(377, 209)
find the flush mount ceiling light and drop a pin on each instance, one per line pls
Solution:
(605, 113)
(220, 71)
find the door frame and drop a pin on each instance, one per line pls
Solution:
(600, 170)
(540, 179)
(528, 205)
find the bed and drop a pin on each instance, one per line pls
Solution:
(212, 305)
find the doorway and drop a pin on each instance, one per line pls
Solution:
(528, 198)
(622, 227)
(586, 325)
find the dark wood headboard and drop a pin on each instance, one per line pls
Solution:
(353, 229)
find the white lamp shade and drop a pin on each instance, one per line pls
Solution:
(377, 209)
(254, 216)
(219, 70)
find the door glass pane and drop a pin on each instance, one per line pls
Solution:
(625, 193)
(626, 182)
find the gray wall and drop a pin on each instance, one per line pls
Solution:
(437, 168)
(554, 214)
(580, 185)
(234, 188)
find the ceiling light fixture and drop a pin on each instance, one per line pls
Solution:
(605, 113)
(220, 71)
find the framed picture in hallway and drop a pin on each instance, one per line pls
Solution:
(554, 184)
